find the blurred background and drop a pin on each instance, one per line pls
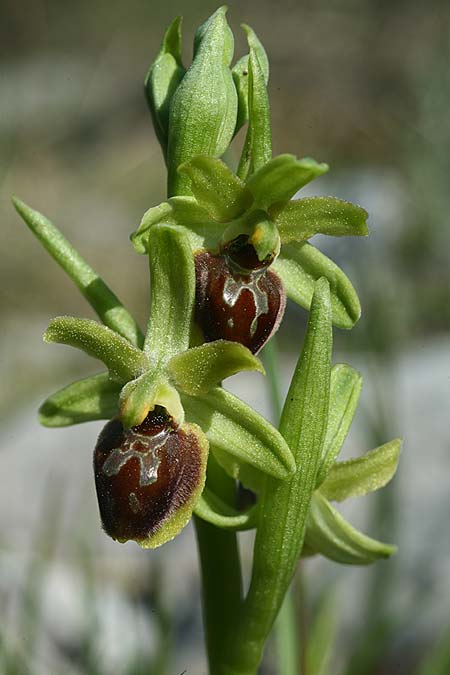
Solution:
(361, 84)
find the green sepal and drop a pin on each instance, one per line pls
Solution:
(217, 189)
(345, 390)
(172, 293)
(240, 75)
(201, 230)
(300, 265)
(233, 427)
(122, 359)
(162, 80)
(199, 369)
(356, 477)
(331, 535)
(141, 395)
(280, 178)
(93, 398)
(101, 298)
(262, 234)
(301, 219)
(216, 511)
(203, 110)
(257, 148)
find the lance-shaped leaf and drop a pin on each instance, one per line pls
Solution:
(163, 78)
(302, 218)
(216, 511)
(172, 293)
(345, 390)
(240, 75)
(122, 359)
(93, 398)
(101, 298)
(279, 179)
(142, 395)
(300, 265)
(257, 148)
(331, 535)
(202, 231)
(203, 110)
(217, 189)
(235, 428)
(357, 477)
(198, 369)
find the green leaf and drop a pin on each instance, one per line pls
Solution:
(198, 369)
(240, 75)
(122, 359)
(322, 633)
(331, 535)
(184, 212)
(257, 148)
(93, 398)
(203, 110)
(357, 477)
(101, 298)
(345, 390)
(301, 219)
(300, 265)
(162, 80)
(172, 293)
(214, 510)
(280, 178)
(222, 194)
(141, 395)
(233, 427)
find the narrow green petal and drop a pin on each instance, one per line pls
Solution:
(240, 75)
(101, 298)
(300, 265)
(331, 535)
(257, 148)
(234, 427)
(345, 390)
(214, 510)
(301, 219)
(357, 477)
(280, 178)
(198, 369)
(122, 359)
(162, 80)
(93, 398)
(172, 293)
(217, 189)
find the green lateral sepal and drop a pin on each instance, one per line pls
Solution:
(162, 80)
(331, 535)
(239, 470)
(300, 265)
(345, 390)
(92, 398)
(240, 75)
(233, 427)
(101, 298)
(217, 189)
(280, 178)
(301, 219)
(186, 212)
(201, 368)
(359, 476)
(216, 511)
(140, 396)
(172, 293)
(122, 359)
(257, 148)
(203, 110)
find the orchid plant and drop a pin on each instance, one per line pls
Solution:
(225, 251)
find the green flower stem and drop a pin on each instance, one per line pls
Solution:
(221, 573)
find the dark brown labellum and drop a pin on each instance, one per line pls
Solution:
(148, 478)
(244, 307)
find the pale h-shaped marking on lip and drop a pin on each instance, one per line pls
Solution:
(233, 288)
(148, 461)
